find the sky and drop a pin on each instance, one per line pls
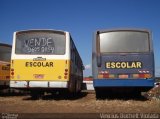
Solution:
(81, 18)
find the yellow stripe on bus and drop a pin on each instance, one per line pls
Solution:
(40, 70)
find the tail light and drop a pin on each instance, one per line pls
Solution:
(12, 72)
(124, 76)
(65, 73)
(105, 74)
(141, 76)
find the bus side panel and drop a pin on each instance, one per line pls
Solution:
(76, 69)
(76, 74)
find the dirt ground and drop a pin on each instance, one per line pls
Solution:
(83, 103)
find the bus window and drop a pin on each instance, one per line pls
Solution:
(40, 43)
(124, 41)
(5, 53)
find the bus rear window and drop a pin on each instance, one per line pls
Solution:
(124, 41)
(40, 42)
(5, 53)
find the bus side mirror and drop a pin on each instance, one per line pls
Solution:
(99, 60)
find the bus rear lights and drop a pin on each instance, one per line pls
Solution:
(142, 76)
(112, 76)
(12, 72)
(135, 75)
(66, 70)
(65, 74)
(124, 76)
(147, 75)
(38, 76)
(101, 76)
(106, 76)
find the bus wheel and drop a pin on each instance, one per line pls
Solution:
(137, 93)
(72, 86)
(36, 94)
(78, 86)
(98, 93)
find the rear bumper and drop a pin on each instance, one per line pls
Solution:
(123, 83)
(38, 84)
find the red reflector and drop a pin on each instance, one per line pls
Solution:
(65, 73)
(105, 75)
(12, 73)
(141, 75)
(66, 70)
(12, 69)
(65, 77)
(7, 77)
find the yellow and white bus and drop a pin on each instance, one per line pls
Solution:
(44, 60)
(5, 57)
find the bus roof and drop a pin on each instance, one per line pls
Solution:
(32, 30)
(123, 29)
(6, 45)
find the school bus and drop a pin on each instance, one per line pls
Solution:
(5, 57)
(44, 60)
(123, 59)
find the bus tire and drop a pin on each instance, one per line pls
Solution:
(36, 94)
(98, 93)
(72, 86)
(78, 86)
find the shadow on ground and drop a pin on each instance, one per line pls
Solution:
(57, 96)
(120, 95)
(12, 92)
